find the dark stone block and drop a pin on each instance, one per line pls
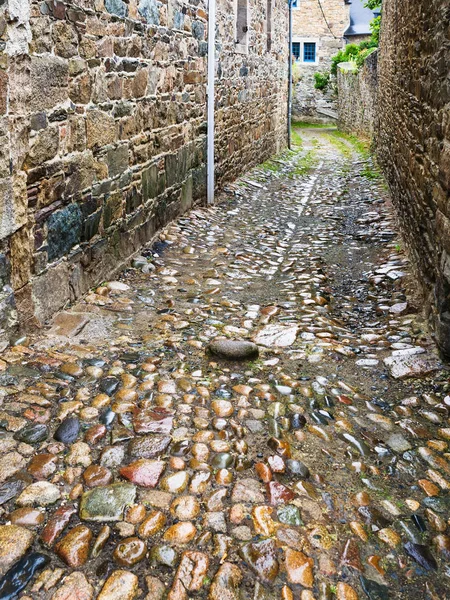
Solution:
(90, 226)
(150, 182)
(177, 166)
(133, 200)
(198, 30)
(203, 48)
(64, 231)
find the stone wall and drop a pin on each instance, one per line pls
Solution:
(251, 88)
(309, 24)
(357, 97)
(103, 129)
(414, 139)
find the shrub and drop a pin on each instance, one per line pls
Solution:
(322, 80)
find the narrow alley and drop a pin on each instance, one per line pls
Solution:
(142, 456)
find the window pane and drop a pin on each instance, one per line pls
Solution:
(294, 3)
(309, 52)
(296, 50)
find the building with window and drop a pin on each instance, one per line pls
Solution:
(319, 32)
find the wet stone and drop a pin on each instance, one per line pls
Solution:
(27, 517)
(185, 508)
(68, 431)
(10, 464)
(190, 574)
(32, 434)
(144, 472)
(56, 524)
(233, 350)
(226, 583)
(156, 420)
(223, 460)
(422, 555)
(247, 490)
(42, 466)
(279, 493)
(373, 589)
(109, 385)
(180, 533)
(299, 568)
(121, 585)
(149, 446)
(152, 524)
(41, 493)
(10, 489)
(14, 543)
(129, 552)
(75, 587)
(17, 578)
(107, 503)
(289, 515)
(73, 549)
(261, 557)
(297, 468)
(164, 555)
(96, 475)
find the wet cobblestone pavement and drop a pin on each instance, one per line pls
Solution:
(137, 462)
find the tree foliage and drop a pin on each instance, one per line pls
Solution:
(373, 4)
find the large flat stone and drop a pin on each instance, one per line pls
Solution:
(278, 336)
(411, 365)
(107, 503)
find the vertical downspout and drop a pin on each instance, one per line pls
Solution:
(289, 107)
(210, 99)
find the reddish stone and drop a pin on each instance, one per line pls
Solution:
(73, 549)
(351, 557)
(57, 524)
(264, 472)
(27, 517)
(96, 475)
(94, 434)
(42, 466)
(155, 420)
(144, 472)
(345, 400)
(279, 493)
(37, 414)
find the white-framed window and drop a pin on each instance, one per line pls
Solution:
(305, 50)
(295, 4)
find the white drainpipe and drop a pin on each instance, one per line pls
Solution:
(210, 93)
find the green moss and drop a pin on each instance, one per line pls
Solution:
(296, 138)
(343, 147)
(304, 125)
(361, 146)
(304, 164)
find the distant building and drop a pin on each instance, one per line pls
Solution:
(360, 17)
(320, 29)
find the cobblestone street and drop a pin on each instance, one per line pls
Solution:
(145, 455)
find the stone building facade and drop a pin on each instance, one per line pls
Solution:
(103, 130)
(414, 139)
(318, 34)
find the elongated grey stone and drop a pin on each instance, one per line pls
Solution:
(233, 349)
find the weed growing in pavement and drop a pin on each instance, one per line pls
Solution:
(296, 138)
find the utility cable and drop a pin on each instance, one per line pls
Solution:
(325, 19)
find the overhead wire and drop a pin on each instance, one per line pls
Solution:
(325, 19)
